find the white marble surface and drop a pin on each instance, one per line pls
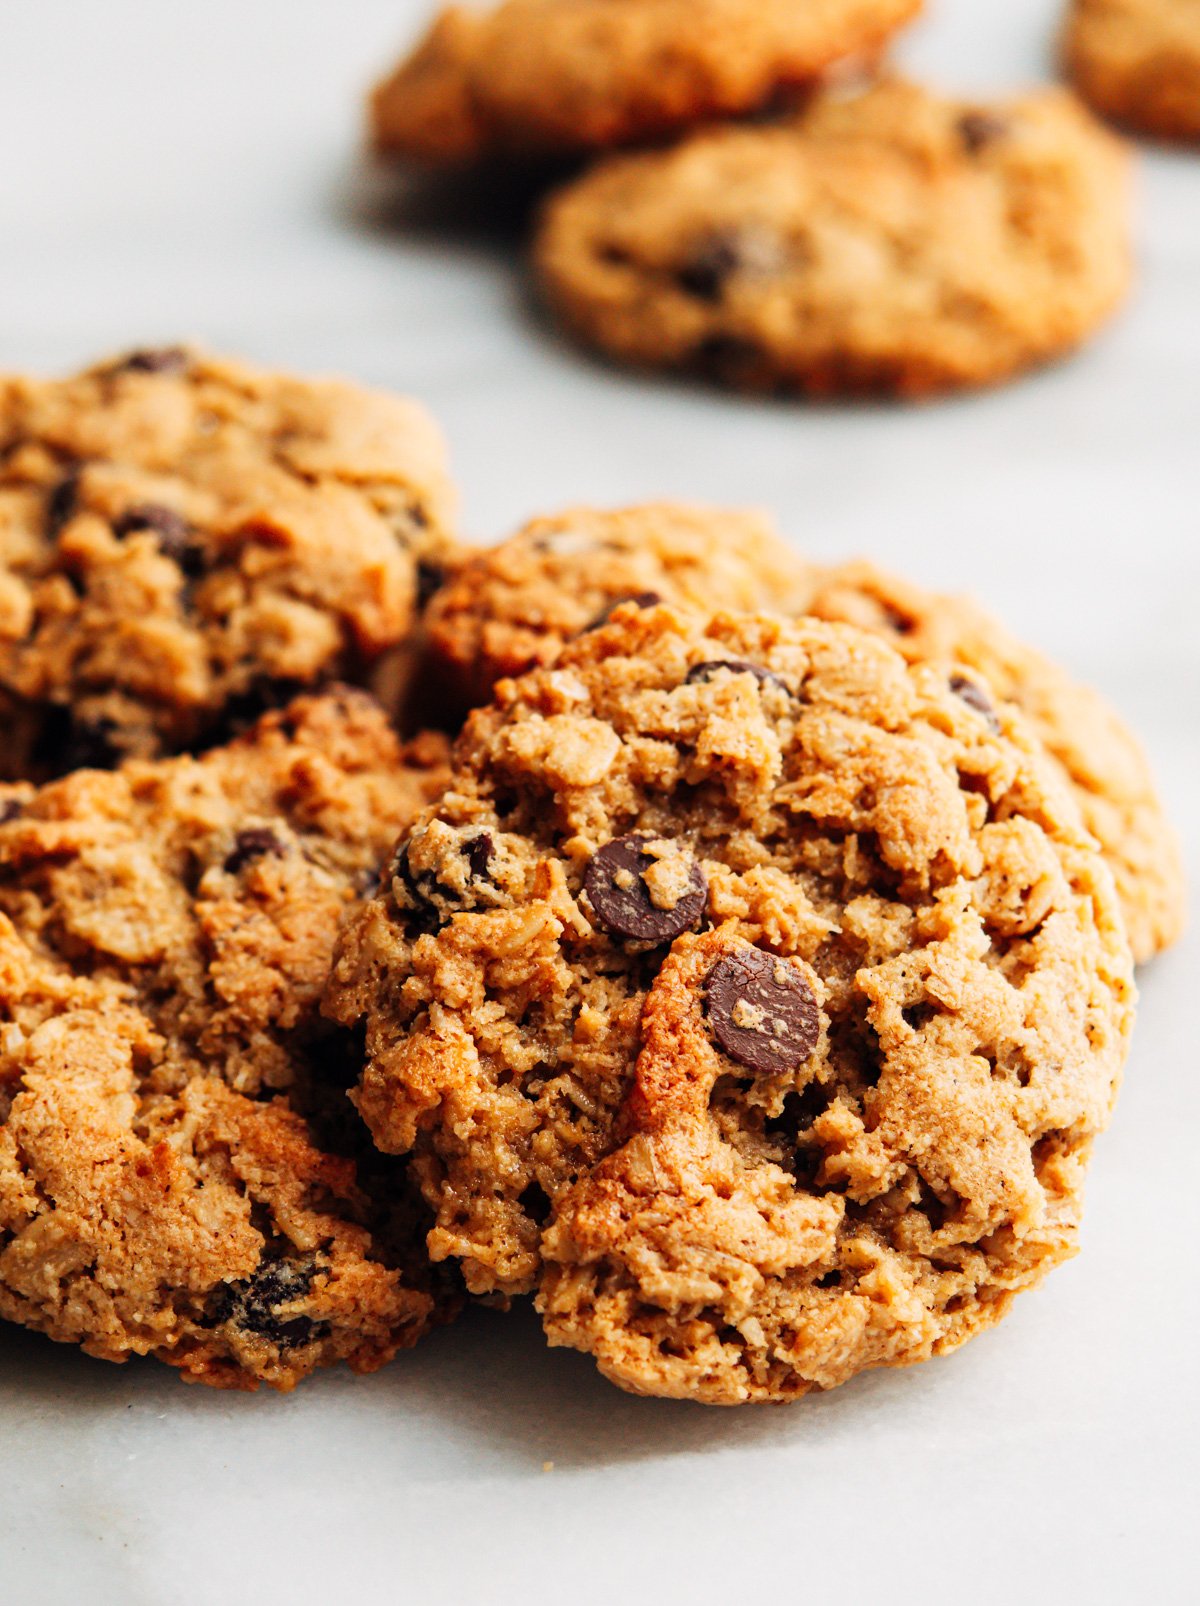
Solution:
(172, 169)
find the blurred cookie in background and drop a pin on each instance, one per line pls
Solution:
(1138, 61)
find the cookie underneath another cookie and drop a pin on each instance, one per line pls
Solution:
(180, 1172)
(516, 605)
(1138, 61)
(185, 542)
(542, 77)
(752, 996)
(889, 241)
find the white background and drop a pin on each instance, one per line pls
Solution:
(172, 169)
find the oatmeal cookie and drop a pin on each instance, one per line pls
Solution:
(1138, 61)
(185, 541)
(752, 996)
(539, 77)
(889, 242)
(181, 1174)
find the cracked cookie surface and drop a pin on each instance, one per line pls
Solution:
(186, 541)
(538, 77)
(884, 242)
(181, 1174)
(1138, 61)
(514, 606)
(752, 996)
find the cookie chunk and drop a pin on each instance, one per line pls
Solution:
(887, 242)
(513, 607)
(184, 542)
(1138, 61)
(181, 1174)
(752, 996)
(1087, 741)
(538, 77)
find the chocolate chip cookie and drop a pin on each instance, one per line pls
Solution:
(888, 241)
(515, 606)
(538, 77)
(185, 541)
(181, 1174)
(752, 996)
(1138, 61)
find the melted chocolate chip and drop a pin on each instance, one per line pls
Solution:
(762, 1011)
(703, 673)
(479, 855)
(164, 360)
(62, 503)
(975, 698)
(616, 887)
(718, 257)
(643, 599)
(254, 843)
(68, 741)
(980, 129)
(173, 533)
(728, 358)
(253, 1305)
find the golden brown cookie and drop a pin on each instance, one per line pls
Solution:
(1138, 61)
(514, 606)
(538, 77)
(752, 996)
(180, 1172)
(888, 241)
(185, 541)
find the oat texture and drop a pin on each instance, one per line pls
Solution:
(178, 1170)
(185, 541)
(888, 241)
(752, 997)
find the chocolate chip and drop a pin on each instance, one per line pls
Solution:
(975, 698)
(253, 1305)
(979, 129)
(254, 843)
(731, 359)
(436, 900)
(10, 809)
(762, 1011)
(62, 503)
(616, 887)
(643, 599)
(163, 360)
(430, 578)
(703, 673)
(172, 531)
(718, 257)
(68, 741)
(479, 855)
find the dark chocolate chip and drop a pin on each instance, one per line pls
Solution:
(171, 530)
(728, 358)
(705, 672)
(643, 599)
(710, 265)
(10, 809)
(163, 360)
(62, 503)
(68, 741)
(762, 1011)
(253, 1305)
(979, 129)
(975, 698)
(616, 887)
(430, 578)
(254, 843)
(479, 855)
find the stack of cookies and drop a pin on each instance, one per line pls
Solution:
(791, 216)
(731, 952)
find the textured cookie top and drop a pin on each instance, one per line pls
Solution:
(513, 607)
(182, 539)
(516, 605)
(165, 933)
(1139, 61)
(753, 994)
(545, 76)
(889, 240)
